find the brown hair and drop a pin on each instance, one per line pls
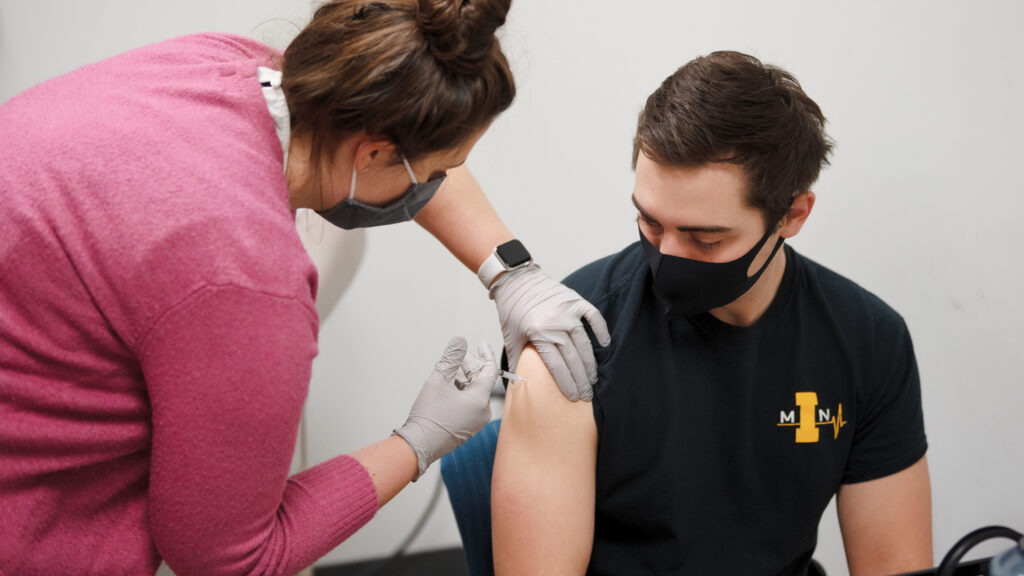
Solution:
(424, 74)
(729, 107)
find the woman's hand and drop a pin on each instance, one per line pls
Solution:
(534, 309)
(454, 403)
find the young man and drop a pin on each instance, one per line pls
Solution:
(745, 385)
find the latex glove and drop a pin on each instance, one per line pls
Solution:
(453, 405)
(536, 309)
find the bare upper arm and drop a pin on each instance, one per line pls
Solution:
(887, 522)
(542, 493)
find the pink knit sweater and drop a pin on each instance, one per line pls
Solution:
(157, 327)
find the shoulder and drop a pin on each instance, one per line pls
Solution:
(178, 103)
(198, 48)
(615, 285)
(187, 59)
(167, 158)
(603, 279)
(229, 46)
(848, 302)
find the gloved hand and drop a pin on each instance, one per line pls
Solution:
(534, 308)
(453, 405)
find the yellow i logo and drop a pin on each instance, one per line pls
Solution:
(806, 432)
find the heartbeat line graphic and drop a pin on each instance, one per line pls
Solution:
(836, 422)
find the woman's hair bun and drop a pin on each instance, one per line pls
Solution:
(460, 33)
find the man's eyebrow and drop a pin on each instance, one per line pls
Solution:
(641, 210)
(701, 229)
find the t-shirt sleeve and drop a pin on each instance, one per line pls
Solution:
(227, 372)
(890, 430)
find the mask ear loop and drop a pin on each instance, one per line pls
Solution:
(778, 244)
(352, 187)
(409, 170)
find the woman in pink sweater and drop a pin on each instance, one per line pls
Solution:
(157, 319)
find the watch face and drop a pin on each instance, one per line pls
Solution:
(513, 253)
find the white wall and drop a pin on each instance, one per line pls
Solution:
(920, 204)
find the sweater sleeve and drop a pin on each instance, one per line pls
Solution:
(227, 372)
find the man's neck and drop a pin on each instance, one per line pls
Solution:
(749, 307)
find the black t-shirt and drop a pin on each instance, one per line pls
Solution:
(719, 447)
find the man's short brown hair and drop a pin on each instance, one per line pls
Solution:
(729, 107)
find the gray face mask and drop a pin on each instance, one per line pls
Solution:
(351, 213)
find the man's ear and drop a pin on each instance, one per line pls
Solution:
(799, 210)
(370, 151)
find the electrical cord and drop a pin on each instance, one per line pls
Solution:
(498, 392)
(376, 568)
(403, 548)
(970, 541)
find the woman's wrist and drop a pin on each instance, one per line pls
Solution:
(391, 464)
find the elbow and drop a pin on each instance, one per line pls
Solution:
(193, 554)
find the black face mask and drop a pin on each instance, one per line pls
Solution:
(686, 287)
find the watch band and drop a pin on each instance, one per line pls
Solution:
(490, 269)
(508, 256)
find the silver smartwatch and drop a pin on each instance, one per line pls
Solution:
(509, 256)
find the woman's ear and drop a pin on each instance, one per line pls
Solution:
(370, 152)
(799, 210)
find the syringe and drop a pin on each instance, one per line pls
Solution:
(512, 377)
